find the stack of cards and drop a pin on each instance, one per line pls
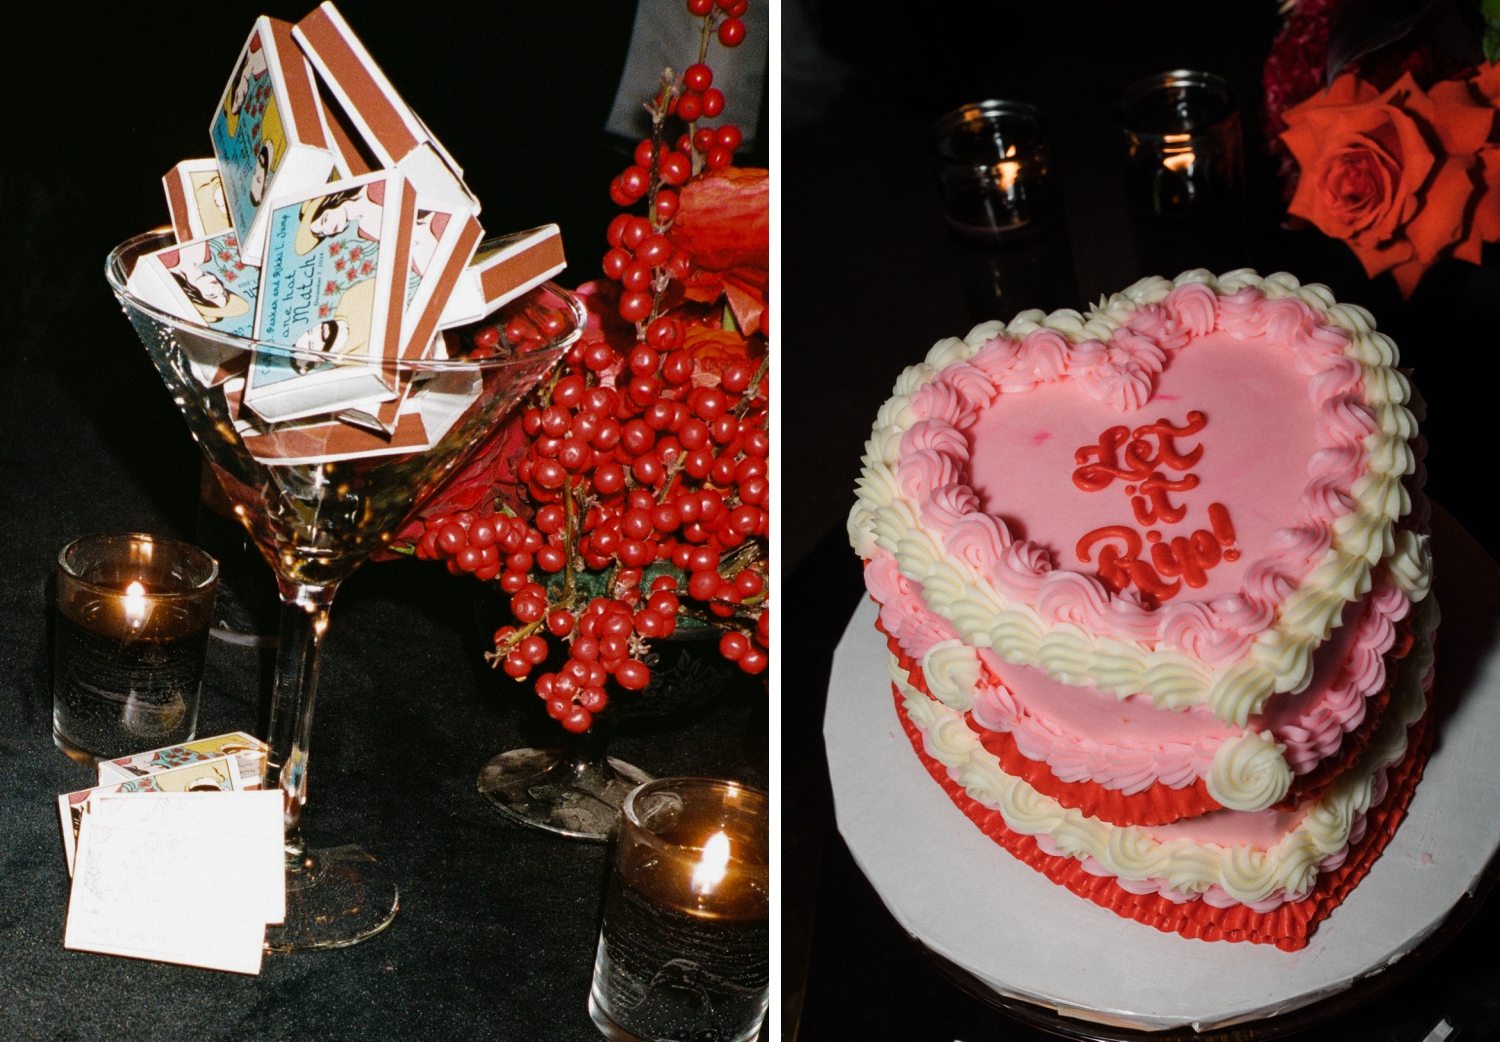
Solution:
(177, 856)
(332, 221)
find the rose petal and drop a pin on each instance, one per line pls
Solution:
(1488, 81)
(1462, 124)
(1487, 214)
(1408, 275)
(1441, 220)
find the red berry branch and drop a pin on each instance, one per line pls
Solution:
(633, 501)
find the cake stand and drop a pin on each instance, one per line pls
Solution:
(1003, 932)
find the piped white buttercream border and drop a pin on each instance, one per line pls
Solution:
(1244, 874)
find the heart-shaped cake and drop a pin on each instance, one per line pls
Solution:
(1155, 581)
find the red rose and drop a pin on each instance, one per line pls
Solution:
(1391, 173)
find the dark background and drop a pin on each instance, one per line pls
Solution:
(498, 924)
(873, 281)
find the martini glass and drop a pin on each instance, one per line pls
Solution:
(315, 523)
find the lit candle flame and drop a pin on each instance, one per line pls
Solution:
(135, 605)
(710, 870)
(1008, 171)
(1180, 162)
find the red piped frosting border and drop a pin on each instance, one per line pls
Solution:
(1288, 927)
(1158, 804)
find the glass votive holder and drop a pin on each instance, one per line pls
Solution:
(1003, 206)
(684, 948)
(132, 631)
(1184, 152)
(995, 170)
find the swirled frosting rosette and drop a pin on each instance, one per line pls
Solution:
(1156, 580)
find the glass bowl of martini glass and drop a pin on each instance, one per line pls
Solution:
(318, 495)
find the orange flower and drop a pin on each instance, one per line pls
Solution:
(1404, 176)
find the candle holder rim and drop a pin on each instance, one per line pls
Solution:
(1193, 77)
(627, 812)
(945, 124)
(194, 591)
(116, 273)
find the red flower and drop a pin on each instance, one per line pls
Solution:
(330, 288)
(225, 255)
(365, 268)
(724, 221)
(356, 253)
(230, 276)
(339, 264)
(488, 483)
(1393, 173)
(322, 310)
(334, 247)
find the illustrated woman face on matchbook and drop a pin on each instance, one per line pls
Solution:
(206, 290)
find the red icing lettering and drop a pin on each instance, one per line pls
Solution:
(1121, 532)
(1133, 456)
(1150, 584)
(1159, 508)
(1190, 558)
(1218, 516)
(1097, 476)
(1164, 431)
(1141, 457)
(1118, 570)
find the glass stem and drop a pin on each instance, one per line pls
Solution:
(304, 621)
(589, 766)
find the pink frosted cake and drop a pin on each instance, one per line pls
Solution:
(1155, 584)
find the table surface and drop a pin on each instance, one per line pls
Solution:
(498, 923)
(873, 281)
(496, 933)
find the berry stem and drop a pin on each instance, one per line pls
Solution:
(570, 543)
(669, 89)
(707, 34)
(744, 405)
(699, 160)
(511, 642)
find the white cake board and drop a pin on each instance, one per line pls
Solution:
(973, 904)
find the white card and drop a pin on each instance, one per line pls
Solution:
(191, 899)
(255, 816)
(220, 774)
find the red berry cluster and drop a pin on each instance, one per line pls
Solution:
(732, 28)
(640, 257)
(601, 643)
(525, 331)
(636, 252)
(646, 466)
(485, 547)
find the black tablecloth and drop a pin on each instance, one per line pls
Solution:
(496, 933)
